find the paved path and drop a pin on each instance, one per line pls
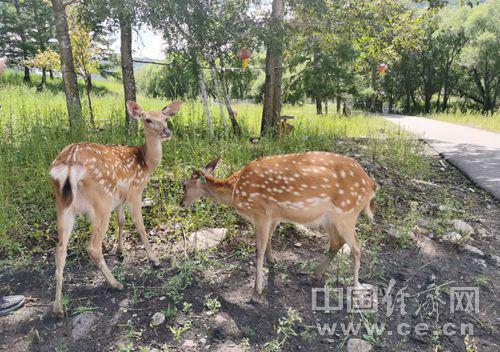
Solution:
(475, 152)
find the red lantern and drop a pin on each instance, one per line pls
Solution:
(382, 68)
(244, 55)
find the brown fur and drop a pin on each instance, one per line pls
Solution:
(316, 188)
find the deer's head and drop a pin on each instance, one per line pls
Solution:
(154, 122)
(195, 187)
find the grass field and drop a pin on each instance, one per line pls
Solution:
(419, 196)
(34, 128)
(477, 120)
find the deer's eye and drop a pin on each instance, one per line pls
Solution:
(148, 120)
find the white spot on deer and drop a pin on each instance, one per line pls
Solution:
(340, 191)
(342, 174)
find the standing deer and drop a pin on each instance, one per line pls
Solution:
(97, 179)
(3, 64)
(315, 188)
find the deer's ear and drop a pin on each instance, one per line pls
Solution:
(211, 166)
(133, 109)
(172, 109)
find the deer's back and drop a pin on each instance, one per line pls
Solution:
(303, 185)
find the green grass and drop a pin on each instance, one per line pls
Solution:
(34, 128)
(472, 119)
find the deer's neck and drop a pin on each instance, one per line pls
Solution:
(152, 151)
(220, 190)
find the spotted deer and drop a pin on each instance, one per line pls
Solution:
(3, 64)
(313, 188)
(95, 179)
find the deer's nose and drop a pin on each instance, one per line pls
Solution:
(167, 133)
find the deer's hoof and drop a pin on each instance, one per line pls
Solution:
(117, 286)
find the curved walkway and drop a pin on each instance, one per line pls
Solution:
(475, 152)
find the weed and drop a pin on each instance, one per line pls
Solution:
(81, 310)
(212, 304)
(177, 331)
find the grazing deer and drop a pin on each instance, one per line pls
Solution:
(315, 188)
(3, 64)
(97, 179)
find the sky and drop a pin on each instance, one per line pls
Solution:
(146, 44)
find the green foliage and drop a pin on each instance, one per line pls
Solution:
(177, 80)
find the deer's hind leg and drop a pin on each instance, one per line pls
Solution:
(347, 231)
(100, 222)
(336, 242)
(65, 223)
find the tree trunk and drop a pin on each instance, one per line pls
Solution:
(204, 99)
(67, 67)
(127, 69)
(43, 81)
(227, 99)
(438, 103)
(22, 35)
(326, 106)
(373, 102)
(427, 103)
(272, 96)
(51, 74)
(319, 108)
(27, 76)
(446, 94)
(88, 88)
(338, 100)
(218, 91)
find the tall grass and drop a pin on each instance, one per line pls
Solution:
(472, 119)
(34, 128)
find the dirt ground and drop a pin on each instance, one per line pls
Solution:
(188, 286)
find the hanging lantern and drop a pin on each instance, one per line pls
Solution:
(382, 68)
(244, 55)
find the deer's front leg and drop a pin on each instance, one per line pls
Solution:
(100, 222)
(136, 213)
(120, 216)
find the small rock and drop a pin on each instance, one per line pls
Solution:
(203, 340)
(162, 298)
(479, 262)
(423, 222)
(147, 202)
(157, 319)
(358, 345)
(125, 303)
(224, 326)
(82, 324)
(496, 260)
(345, 250)
(451, 237)
(433, 277)
(227, 346)
(188, 344)
(462, 227)
(207, 238)
(473, 250)
(297, 244)
(483, 233)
